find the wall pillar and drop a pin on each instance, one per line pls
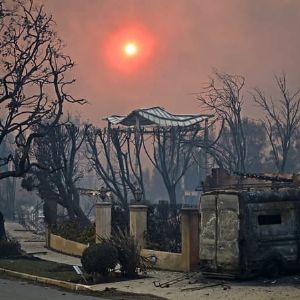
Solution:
(103, 220)
(47, 233)
(190, 238)
(138, 222)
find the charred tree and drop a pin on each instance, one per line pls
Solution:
(112, 154)
(59, 153)
(2, 228)
(223, 98)
(281, 120)
(171, 154)
(33, 80)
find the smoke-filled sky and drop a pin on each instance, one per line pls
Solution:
(179, 43)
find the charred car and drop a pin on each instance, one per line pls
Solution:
(246, 233)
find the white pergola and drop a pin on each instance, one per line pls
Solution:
(156, 116)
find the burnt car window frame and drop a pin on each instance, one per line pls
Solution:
(269, 219)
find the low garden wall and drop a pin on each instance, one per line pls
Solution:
(62, 245)
(185, 261)
(188, 259)
(166, 260)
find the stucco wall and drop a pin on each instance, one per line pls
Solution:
(65, 246)
(166, 260)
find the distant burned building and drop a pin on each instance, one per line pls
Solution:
(221, 179)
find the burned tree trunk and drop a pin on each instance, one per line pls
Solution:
(172, 150)
(111, 156)
(2, 228)
(59, 153)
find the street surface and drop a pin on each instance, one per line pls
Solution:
(14, 289)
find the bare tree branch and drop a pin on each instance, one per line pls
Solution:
(115, 166)
(281, 121)
(224, 99)
(60, 152)
(33, 79)
(171, 154)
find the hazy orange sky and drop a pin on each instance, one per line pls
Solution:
(254, 38)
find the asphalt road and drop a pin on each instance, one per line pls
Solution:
(11, 289)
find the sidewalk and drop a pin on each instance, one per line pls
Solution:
(192, 288)
(34, 244)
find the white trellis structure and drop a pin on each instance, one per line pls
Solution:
(158, 117)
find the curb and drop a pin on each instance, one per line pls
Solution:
(49, 281)
(74, 287)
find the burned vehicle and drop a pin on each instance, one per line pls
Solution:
(246, 233)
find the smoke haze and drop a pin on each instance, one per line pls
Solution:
(256, 39)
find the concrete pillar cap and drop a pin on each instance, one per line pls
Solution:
(138, 207)
(190, 210)
(103, 204)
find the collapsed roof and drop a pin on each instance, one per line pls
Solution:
(156, 116)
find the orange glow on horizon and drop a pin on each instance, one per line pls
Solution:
(128, 49)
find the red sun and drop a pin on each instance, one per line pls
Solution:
(131, 49)
(128, 49)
